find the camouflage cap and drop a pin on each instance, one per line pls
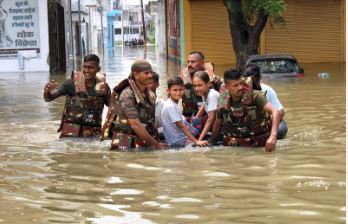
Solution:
(141, 66)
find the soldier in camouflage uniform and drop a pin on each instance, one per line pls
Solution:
(195, 62)
(243, 115)
(130, 120)
(86, 94)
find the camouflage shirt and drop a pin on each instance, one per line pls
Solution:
(259, 100)
(125, 106)
(68, 88)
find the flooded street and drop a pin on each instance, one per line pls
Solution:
(48, 180)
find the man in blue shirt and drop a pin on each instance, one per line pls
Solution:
(253, 71)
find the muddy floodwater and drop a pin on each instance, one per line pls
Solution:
(44, 179)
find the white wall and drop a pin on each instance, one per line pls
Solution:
(160, 32)
(96, 28)
(34, 64)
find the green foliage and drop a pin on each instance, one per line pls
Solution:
(118, 42)
(272, 7)
(250, 9)
(247, 19)
(152, 38)
(278, 19)
(151, 33)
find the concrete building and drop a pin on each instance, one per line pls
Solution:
(82, 35)
(161, 28)
(128, 20)
(131, 22)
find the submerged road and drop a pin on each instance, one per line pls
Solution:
(44, 179)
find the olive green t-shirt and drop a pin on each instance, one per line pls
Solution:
(68, 88)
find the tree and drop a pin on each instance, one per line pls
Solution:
(247, 19)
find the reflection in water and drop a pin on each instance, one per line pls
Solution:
(128, 217)
(49, 180)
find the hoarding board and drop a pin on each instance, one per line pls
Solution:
(19, 27)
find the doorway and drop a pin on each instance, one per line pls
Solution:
(56, 37)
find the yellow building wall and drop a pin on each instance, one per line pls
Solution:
(314, 31)
(343, 30)
(210, 32)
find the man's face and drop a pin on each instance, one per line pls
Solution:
(90, 69)
(194, 63)
(176, 92)
(143, 78)
(235, 87)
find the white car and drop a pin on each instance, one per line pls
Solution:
(276, 65)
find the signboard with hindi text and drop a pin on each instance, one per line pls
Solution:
(19, 27)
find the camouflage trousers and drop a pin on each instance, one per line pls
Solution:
(124, 141)
(253, 141)
(77, 130)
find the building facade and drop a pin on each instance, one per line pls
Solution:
(128, 23)
(314, 31)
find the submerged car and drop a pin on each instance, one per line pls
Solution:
(276, 65)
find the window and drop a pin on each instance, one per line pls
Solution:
(276, 66)
(134, 30)
(118, 31)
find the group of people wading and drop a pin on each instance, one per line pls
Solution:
(236, 111)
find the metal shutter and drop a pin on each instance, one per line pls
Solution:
(211, 32)
(312, 32)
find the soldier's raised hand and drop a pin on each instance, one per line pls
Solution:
(50, 91)
(50, 85)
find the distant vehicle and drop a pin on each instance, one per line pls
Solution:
(134, 42)
(276, 65)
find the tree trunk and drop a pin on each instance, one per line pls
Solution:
(250, 48)
(245, 37)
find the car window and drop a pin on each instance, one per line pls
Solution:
(276, 66)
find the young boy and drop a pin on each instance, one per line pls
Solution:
(159, 102)
(174, 129)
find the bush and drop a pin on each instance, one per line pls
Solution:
(118, 42)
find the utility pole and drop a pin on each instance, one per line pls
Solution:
(100, 9)
(143, 18)
(101, 21)
(122, 30)
(70, 38)
(90, 40)
(80, 30)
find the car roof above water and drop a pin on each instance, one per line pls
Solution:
(261, 57)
